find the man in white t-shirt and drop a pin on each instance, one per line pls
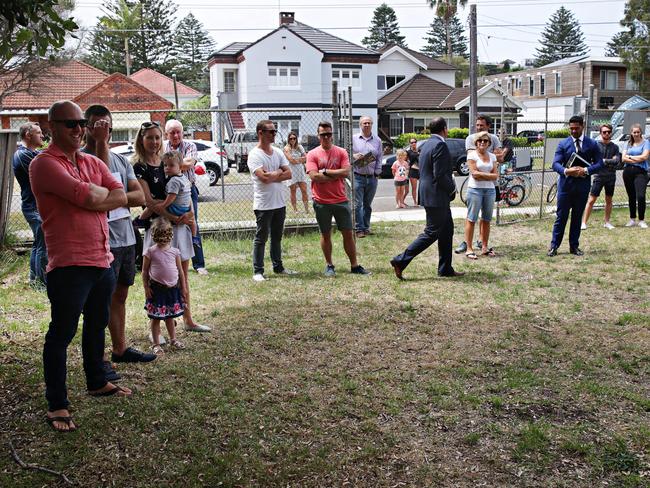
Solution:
(269, 168)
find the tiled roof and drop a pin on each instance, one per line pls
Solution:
(326, 43)
(232, 49)
(161, 84)
(457, 95)
(431, 63)
(63, 82)
(119, 93)
(417, 93)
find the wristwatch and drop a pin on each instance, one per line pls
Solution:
(325, 171)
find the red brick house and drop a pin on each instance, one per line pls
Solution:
(164, 86)
(85, 85)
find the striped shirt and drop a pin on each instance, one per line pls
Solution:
(188, 150)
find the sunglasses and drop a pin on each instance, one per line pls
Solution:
(414, 142)
(486, 141)
(292, 138)
(270, 131)
(605, 131)
(325, 134)
(72, 123)
(149, 125)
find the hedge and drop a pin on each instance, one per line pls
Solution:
(403, 140)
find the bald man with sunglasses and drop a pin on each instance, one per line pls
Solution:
(74, 191)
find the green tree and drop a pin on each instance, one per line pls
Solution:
(34, 28)
(446, 10)
(436, 40)
(192, 47)
(562, 38)
(197, 120)
(618, 42)
(383, 29)
(636, 52)
(147, 27)
(32, 42)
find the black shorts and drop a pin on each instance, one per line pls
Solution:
(598, 183)
(124, 264)
(414, 173)
(340, 211)
(401, 183)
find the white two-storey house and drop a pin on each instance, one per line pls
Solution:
(286, 76)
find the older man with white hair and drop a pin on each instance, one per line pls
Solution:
(175, 142)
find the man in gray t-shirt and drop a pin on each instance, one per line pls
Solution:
(121, 235)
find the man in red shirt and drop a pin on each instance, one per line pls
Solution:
(328, 166)
(73, 192)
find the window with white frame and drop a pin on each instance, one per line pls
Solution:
(285, 124)
(395, 127)
(229, 81)
(531, 86)
(284, 75)
(346, 76)
(630, 84)
(419, 124)
(608, 79)
(558, 83)
(542, 85)
(386, 82)
(453, 123)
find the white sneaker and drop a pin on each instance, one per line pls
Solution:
(609, 226)
(642, 224)
(287, 272)
(202, 271)
(631, 223)
(583, 226)
(161, 339)
(198, 328)
(258, 277)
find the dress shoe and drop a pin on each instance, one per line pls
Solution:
(453, 274)
(577, 251)
(552, 252)
(396, 269)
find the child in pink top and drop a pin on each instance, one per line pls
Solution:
(164, 286)
(400, 170)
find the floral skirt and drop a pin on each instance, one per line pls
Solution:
(166, 302)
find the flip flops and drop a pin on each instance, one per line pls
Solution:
(471, 255)
(489, 253)
(67, 420)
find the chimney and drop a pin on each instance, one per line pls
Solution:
(286, 18)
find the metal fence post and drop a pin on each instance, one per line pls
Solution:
(541, 197)
(7, 145)
(336, 127)
(220, 146)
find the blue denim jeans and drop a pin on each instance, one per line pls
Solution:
(365, 188)
(198, 261)
(480, 199)
(74, 290)
(38, 256)
(268, 222)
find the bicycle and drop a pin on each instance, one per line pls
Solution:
(511, 192)
(552, 193)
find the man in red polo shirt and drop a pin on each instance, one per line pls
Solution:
(73, 192)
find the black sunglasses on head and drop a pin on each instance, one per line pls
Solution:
(149, 125)
(72, 123)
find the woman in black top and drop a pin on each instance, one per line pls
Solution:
(414, 170)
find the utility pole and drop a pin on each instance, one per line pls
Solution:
(473, 65)
(127, 56)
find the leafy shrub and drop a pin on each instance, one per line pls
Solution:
(458, 133)
(519, 141)
(557, 133)
(403, 140)
(537, 144)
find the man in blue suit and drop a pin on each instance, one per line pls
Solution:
(435, 191)
(573, 184)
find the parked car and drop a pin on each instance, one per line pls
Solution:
(214, 160)
(532, 135)
(456, 149)
(202, 179)
(621, 139)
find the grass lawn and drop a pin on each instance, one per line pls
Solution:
(528, 371)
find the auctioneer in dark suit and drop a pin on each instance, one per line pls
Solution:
(435, 191)
(572, 192)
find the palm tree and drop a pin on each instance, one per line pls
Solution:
(126, 18)
(446, 9)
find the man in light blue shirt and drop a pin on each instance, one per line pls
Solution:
(365, 175)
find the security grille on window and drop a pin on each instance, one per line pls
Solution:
(229, 81)
(346, 76)
(284, 76)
